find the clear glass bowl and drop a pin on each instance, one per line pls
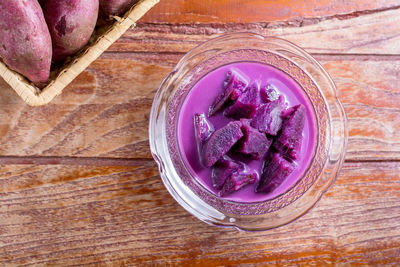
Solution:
(331, 131)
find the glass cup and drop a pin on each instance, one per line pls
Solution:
(331, 131)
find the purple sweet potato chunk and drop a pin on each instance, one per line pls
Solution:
(202, 127)
(222, 169)
(246, 104)
(268, 118)
(269, 93)
(254, 143)
(234, 85)
(289, 141)
(221, 142)
(275, 170)
(237, 181)
(287, 112)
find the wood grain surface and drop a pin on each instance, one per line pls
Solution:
(78, 186)
(87, 120)
(105, 111)
(375, 33)
(122, 215)
(181, 11)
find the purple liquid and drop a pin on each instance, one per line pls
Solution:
(203, 94)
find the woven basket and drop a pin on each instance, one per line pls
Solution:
(103, 37)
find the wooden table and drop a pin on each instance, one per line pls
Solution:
(78, 185)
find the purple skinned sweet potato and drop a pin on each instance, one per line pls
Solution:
(234, 85)
(275, 170)
(222, 169)
(25, 42)
(202, 127)
(221, 142)
(288, 143)
(268, 118)
(71, 23)
(269, 93)
(246, 104)
(253, 143)
(237, 181)
(116, 7)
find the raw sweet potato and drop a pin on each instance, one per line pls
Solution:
(116, 7)
(25, 42)
(71, 23)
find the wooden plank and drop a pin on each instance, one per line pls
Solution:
(180, 11)
(376, 33)
(105, 111)
(370, 92)
(123, 215)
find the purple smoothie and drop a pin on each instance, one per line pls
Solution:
(204, 93)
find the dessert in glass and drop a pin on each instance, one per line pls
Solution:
(248, 131)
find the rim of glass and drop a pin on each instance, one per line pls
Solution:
(201, 202)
